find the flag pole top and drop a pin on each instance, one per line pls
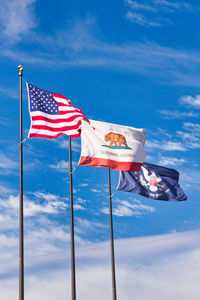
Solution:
(21, 69)
(70, 101)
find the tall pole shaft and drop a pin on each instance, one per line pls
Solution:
(21, 223)
(73, 276)
(114, 293)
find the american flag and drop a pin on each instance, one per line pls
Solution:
(52, 115)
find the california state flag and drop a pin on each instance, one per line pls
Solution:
(110, 145)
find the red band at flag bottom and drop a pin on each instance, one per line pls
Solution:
(113, 164)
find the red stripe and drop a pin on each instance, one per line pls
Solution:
(41, 118)
(32, 135)
(65, 128)
(62, 104)
(113, 164)
(59, 96)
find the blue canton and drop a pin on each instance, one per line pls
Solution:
(41, 100)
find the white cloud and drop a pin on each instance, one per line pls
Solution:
(83, 49)
(141, 20)
(191, 101)
(162, 132)
(96, 191)
(62, 166)
(31, 207)
(17, 19)
(190, 139)
(155, 267)
(78, 207)
(155, 13)
(159, 5)
(83, 184)
(193, 127)
(190, 179)
(171, 115)
(85, 225)
(165, 145)
(7, 91)
(170, 161)
(167, 5)
(47, 197)
(5, 190)
(126, 208)
(80, 200)
(64, 144)
(138, 5)
(7, 165)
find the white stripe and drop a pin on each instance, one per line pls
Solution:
(65, 108)
(55, 117)
(61, 100)
(54, 125)
(47, 132)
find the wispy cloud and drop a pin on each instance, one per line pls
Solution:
(79, 46)
(190, 139)
(5, 189)
(7, 165)
(184, 141)
(172, 115)
(83, 184)
(165, 145)
(190, 179)
(8, 92)
(17, 19)
(85, 225)
(96, 190)
(64, 144)
(46, 196)
(5, 121)
(170, 161)
(129, 208)
(155, 13)
(142, 20)
(192, 127)
(62, 166)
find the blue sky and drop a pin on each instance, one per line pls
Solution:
(133, 63)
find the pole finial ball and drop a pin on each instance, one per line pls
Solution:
(20, 67)
(70, 101)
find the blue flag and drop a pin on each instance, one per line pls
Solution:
(153, 182)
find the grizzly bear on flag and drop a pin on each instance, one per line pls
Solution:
(115, 138)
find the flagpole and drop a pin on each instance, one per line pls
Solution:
(73, 276)
(114, 293)
(21, 221)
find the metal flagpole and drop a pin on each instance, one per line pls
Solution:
(21, 225)
(73, 276)
(114, 293)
